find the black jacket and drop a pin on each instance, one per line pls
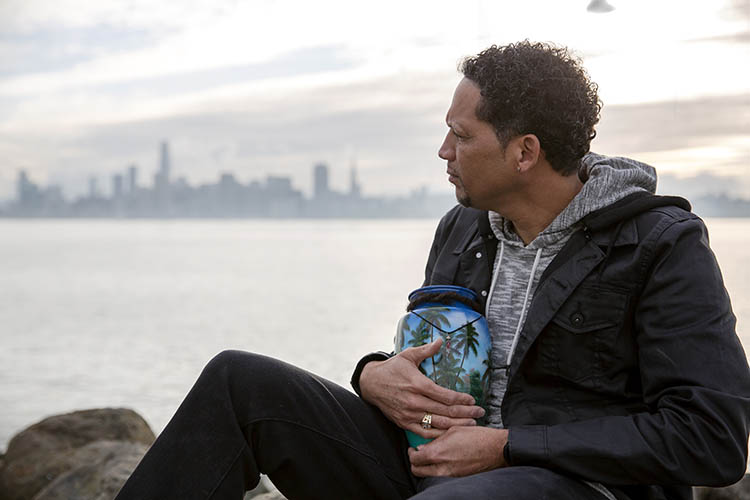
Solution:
(628, 371)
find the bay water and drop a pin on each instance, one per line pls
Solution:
(125, 313)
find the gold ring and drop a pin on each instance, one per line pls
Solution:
(427, 421)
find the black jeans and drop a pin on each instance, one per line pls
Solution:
(249, 414)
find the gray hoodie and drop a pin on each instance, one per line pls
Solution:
(518, 267)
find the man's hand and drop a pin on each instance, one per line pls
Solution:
(459, 452)
(404, 394)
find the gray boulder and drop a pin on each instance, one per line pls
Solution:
(271, 495)
(264, 491)
(103, 467)
(40, 454)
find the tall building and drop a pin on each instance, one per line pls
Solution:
(164, 164)
(320, 181)
(161, 179)
(354, 189)
(23, 187)
(132, 179)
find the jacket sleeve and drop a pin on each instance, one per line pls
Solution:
(694, 377)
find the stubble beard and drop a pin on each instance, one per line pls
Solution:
(462, 196)
(464, 200)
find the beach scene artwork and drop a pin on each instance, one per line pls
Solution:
(463, 362)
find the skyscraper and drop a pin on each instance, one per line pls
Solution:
(164, 165)
(132, 179)
(161, 177)
(320, 181)
(22, 189)
(354, 189)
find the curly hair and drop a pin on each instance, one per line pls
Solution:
(540, 89)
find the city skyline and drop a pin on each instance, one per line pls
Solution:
(168, 197)
(276, 196)
(86, 87)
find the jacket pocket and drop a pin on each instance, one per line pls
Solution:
(581, 342)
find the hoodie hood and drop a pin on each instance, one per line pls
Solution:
(606, 180)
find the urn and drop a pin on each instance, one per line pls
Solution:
(463, 362)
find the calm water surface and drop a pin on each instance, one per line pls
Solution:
(126, 313)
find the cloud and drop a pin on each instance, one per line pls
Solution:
(672, 125)
(59, 48)
(740, 37)
(305, 61)
(275, 93)
(391, 127)
(738, 10)
(702, 184)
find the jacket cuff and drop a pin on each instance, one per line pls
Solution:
(527, 445)
(373, 356)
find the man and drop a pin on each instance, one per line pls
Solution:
(616, 369)
(614, 352)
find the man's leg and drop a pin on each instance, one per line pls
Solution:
(249, 414)
(509, 483)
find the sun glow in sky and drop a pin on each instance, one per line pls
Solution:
(88, 88)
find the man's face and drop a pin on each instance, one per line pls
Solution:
(475, 156)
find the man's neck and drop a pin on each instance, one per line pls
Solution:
(543, 201)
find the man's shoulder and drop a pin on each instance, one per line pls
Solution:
(657, 220)
(649, 212)
(460, 216)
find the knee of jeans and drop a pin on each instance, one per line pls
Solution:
(237, 366)
(225, 362)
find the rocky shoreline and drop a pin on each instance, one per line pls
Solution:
(88, 455)
(83, 455)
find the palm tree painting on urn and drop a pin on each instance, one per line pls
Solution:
(463, 362)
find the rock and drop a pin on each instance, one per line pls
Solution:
(264, 491)
(104, 468)
(41, 453)
(738, 491)
(272, 495)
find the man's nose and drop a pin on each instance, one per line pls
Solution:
(447, 150)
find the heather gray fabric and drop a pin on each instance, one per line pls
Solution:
(608, 180)
(518, 267)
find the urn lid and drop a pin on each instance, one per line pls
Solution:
(464, 292)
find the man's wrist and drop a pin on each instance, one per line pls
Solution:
(373, 356)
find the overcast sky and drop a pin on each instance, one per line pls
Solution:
(271, 87)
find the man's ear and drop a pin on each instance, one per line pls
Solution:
(528, 152)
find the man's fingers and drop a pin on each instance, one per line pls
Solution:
(441, 422)
(439, 425)
(420, 353)
(426, 471)
(445, 396)
(425, 462)
(444, 417)
(417, 429)
(421, 456)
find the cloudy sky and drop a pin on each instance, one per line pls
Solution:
(261, 87)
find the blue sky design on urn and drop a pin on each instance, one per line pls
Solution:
(463, 362)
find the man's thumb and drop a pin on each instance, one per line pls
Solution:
(419, 354)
